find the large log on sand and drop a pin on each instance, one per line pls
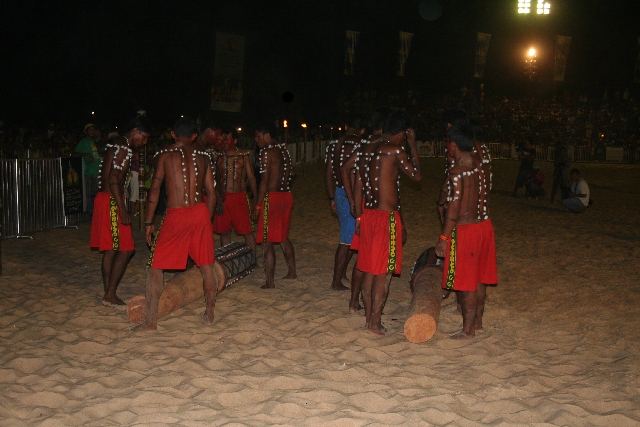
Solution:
(233, 261)
(426, 285)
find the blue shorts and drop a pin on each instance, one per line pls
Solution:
(347, 221)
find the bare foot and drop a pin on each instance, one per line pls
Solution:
(354, 310)
(117, 305)
(112, 301)
(266, 286)
(290, 276)
(340, 287)
(208, 319)
(143, 327)
(462, 336)
(479, 329)
(377, 332)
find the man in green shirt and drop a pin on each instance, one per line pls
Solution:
(87, 149)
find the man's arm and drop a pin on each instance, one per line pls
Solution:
(210, 186)
(346, 171)
(250, 176)
(328, 177)
(265, 166)
(153, 196)
(357, 200)
(411, 167)
(120, 164)
(453, 212)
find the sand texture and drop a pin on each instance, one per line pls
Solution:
(561, 345)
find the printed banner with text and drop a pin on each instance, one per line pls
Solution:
(226, 87)
(481, 54)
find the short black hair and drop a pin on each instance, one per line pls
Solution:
(231, 130)
(574, 170)
(462, 136)
(208, 123)
(354, 122)
(477, 128)
(457, 116)
(142, 123)
(378, 117)
(395, 123)
(266, 126)
(185, 126)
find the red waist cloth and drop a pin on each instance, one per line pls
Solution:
(380, 243)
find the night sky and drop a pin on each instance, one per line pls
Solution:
(64, 59)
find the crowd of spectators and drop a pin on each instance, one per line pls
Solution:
(613, 120)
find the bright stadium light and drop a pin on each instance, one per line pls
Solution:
(524, 6)
(542, 7)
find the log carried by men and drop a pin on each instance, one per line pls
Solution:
(232, 262)
(426, 300)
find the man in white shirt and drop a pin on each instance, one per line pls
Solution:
(578, 199)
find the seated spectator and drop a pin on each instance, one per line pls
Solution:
(577, 199)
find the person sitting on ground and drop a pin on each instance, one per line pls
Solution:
(578, 196)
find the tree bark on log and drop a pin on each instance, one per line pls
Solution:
(426, 301)
(183, 289)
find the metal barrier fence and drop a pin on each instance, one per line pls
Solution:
(32, 198)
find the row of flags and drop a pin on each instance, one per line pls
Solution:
(226, 88)
(482, 48)
(352, 42)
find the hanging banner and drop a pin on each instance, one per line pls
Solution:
(72, 178)
(562, 52)
(481, 54)
(226, 87)
(403, 53)
(350, 51)
(637, 70)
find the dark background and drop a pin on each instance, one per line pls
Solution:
(63, 59)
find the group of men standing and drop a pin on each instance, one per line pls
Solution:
(363, 185)
(206, 177)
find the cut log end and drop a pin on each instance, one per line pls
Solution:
(420, 327)
(136, 309)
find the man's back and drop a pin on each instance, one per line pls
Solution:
(276, 161)
(185, 172)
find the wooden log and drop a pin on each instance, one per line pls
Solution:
(426, 301)
(183, 289)
(233, 262)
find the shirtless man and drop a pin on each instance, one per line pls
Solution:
(111, 223)
(380, 224)
(234, 170)
(454, 117)
(337, 152)
(186, 230)
(467, 241)
(274, 202)
(348, 173)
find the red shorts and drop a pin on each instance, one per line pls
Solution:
(380, 243)
(235, 215)
(107, 232)
(184, 232)
(470, 257)
(274, 222)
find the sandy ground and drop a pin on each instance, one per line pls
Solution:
(560, 346)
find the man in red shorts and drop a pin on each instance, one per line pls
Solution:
(274, 202)
(186, 229)
(348, 172)
(232, 212)
(467, 241)
(379, 225)
(111, 222)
